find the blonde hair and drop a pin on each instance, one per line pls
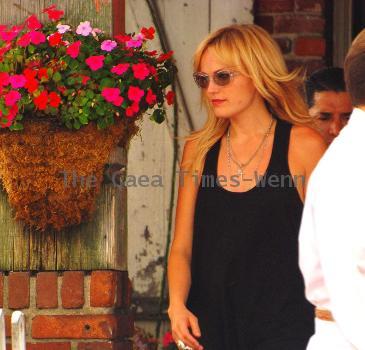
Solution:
(253, 50)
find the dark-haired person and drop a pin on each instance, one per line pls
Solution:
(332, 234)
(328, 101)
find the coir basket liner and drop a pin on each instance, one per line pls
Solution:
(34, 162)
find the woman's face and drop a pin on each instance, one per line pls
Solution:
(233, 99)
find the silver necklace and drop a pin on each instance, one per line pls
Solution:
(242, 166)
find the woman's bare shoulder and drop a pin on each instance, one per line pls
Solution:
(307, 140)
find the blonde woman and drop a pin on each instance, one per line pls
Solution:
(234, 280)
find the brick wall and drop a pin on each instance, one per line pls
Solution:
(299, 27)
(73, 310)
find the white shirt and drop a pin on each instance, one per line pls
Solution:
(332, 234)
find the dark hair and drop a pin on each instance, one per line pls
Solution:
(325, 79)
(355, 70)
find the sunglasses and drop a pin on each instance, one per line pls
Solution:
(221, 77)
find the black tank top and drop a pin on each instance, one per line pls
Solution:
(247, 289)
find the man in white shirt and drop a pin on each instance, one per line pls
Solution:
(332, 234)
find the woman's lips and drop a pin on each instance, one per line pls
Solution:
(217, 102)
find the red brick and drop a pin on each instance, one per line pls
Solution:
(72, 289)
(274, 5)
(8, 326)
(103, 288)
(49, 346)
(266, 22)
(285, 45)
(18, 290)
(298, 24)
(1, 290)
(307, 46)
(314, 6)
(82, 326)
(46, 290)
(118, 345)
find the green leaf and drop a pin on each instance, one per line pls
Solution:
(89, 94)
(19, 58)
(16, 126)
(57, 77)
(106, 82)
(158, 116)
(74, 65)
(100, 111)
(31, 49)
(77, 124)
(70, 81)
(83, 101)
(83, 119)
(50, 72)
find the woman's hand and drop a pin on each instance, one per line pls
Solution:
(185, 327)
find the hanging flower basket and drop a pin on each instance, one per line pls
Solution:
(67, 98)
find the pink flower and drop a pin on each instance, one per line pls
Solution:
(135, 93)
(121, 68)
(33, 23)
(108, 45)
(4, 79)
(112, 95)
(8, 35)
(12, 97)
(17, 81)
(95, 62)
(96, 31)
(62, 28)
(74, 49)
(84, 28)
(150, 97)
(24, 40)
(37, 37)
(132, 110)
(133, 43)
(140, 71)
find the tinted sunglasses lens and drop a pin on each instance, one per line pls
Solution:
(222, 78)
(201, 80)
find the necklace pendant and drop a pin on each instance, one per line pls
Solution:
(240, 173)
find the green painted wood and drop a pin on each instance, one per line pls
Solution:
(99, 244)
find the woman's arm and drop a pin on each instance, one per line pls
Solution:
(179, 275)
(306, 148)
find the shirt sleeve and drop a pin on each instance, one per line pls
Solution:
(337, 223)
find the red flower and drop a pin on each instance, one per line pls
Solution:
(112, 95)
(85, 79)
(55, 39)
(54, 99)
(5, 49)
(61, 89)
(41, 100)
(132, 110)
(4, 79)
(135, 93)
(122, 38)
(42, 73)
(148, 33)
(170, 97)
(74, 49)
(150, 97)
(33, 23)
(95, 62)
(140, 71)
(31, 85)
(29, 73)
(53, 13)
(165, 56)
(24, 40)
(10, 117)
(121, 68)
(151, 53)
(167, 339)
